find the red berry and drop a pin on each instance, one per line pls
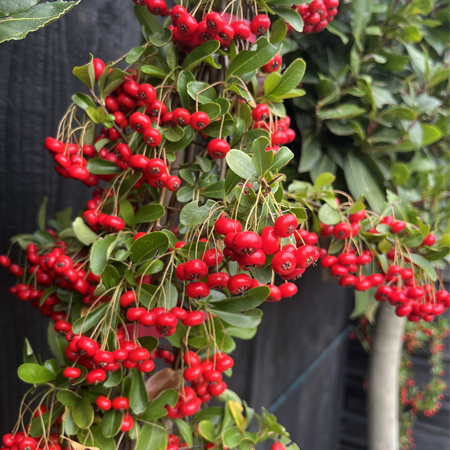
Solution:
(429, 240)
(186, 25)
(5, 261)
(272, 66)
(152, 137)
(218, 280)
(342, 231)
(275, 294)
(214, 22)
(173, 183)
(199, 121)
(197, 290)
(288, 290)
(270, 241)
(72, 373)
(218, 148)
(140, 122)
(247, 243)
(96, 376)
(99, 67)
(113, 224)
(103, 403)
(224, 226)
(285, 225)
(305, 256)
(260, 24)
(147, 93)
(127, 423)
(212, 257)
(398, 227)
(239, 284)
(261, 112)
(156, 167)
(181, 117)
(241, 30)
(283, 262)
(193, 318)
(120, 403)
(195, 270)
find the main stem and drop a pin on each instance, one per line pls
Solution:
(383, 380)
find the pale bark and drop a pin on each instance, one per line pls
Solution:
(383, 380)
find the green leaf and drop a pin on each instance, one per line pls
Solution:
(424, 265)
(221, 128)
(192, 214)
(41, 214)
(154, 71)
(360, 181)
(212, 109)
(278, 31)
(398, 112)
(247, 61)
(429, 134)
(207, 430)
(362, 12)
(199, 54)
(189, 135)
(328, 215)
(134, 55)
(248, 319)
(290, 79)
(100, 253)
(127, 212)
(262, 160)
(150, 246)
(68, 398)
(10, 7)
(323, 180)
(111, 423)
(291, 16)
(185, 430)
(335, 29)
(100, 166)
(251, 300)
(113, 379)
(83, 233)
(400, 174)
(281, 158)
(138, 393)
(202, 92)
(147, 20)
(149, 213)
(100, 440)
(346, 111)
(241, 164)
(42, 423)
(215, 190)
(85, 323)
(18, 25)
(85, 73)
(34, 373)
(152, 437)
(156, 409)
(83, 413)
(183, 80)
(231, 437)
(311, 155)
(174, 134)
(114, 79)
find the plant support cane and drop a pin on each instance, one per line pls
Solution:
(383, 380)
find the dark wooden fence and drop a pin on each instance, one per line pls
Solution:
(35, 88)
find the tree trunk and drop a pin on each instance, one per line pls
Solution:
(383, 380)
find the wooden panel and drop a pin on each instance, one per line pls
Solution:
(292, 335)
(36, 84)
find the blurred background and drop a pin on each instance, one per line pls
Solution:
(328, 410)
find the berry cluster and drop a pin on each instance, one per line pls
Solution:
(402, 289)
(20, 440)
(280, 133)
(317, 15)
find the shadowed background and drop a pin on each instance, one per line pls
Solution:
(36, 84)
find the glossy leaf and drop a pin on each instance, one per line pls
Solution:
(149, 247)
